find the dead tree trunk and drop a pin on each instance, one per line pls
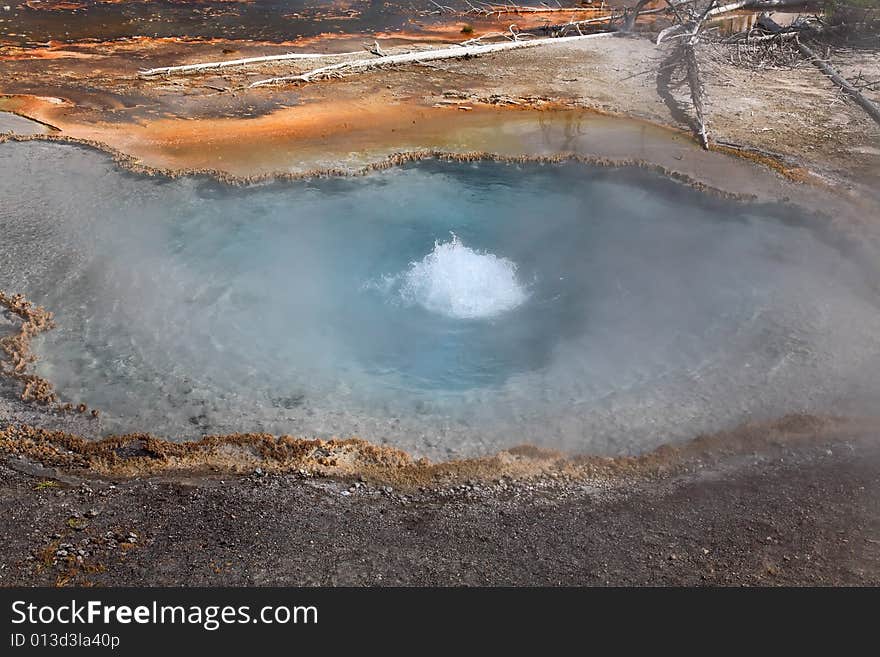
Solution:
(693, 75)
(866, 104)
(697, 93)
(247, 61)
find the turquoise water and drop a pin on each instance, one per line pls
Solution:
(446, 308)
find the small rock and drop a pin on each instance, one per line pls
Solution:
(259, 472)
(91, 513)
(345, 493)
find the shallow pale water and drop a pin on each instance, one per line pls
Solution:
(12, 123)
(445, 308)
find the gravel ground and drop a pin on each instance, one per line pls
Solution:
(797, 514)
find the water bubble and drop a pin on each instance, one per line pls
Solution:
(457, 281)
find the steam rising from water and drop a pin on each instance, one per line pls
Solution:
(635, 311)
(456, 281)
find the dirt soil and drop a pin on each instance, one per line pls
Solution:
(800, 509)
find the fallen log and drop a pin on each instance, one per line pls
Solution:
(205, 66)
(544, 10)
(865, 103)
(551, 29)
(557, 27)
(484, 9)
(833, 74)
(455, 52)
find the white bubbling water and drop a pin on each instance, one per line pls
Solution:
(457, 281)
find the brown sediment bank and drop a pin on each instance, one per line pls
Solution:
(16, 348)
(133, 455)
(353, 137)
(242, 152)
(136, 166)
(789, 120)
(790, 502)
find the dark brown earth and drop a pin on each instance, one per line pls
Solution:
(801, 512)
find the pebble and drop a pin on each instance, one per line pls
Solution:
(345, 493)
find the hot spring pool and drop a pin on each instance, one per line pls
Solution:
(446, 308)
